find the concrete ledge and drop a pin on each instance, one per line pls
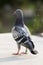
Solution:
(8, 46)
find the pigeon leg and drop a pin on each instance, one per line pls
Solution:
(24, 52)
(17, 51)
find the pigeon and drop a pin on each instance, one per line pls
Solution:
(21, 34)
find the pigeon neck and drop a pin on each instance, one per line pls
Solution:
(19, 22)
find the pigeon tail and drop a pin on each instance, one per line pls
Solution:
(34, 52)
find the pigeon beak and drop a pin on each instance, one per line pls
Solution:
(14, 13)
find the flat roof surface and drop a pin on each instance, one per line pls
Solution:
(9, 46)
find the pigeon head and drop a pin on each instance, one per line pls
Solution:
(19, 17)
(19, 13)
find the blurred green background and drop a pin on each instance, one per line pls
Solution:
(33, 14)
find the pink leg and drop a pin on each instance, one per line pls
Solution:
(17, 52)
(24, 52)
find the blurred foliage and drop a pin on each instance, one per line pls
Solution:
(34, 23)
(18, 2)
